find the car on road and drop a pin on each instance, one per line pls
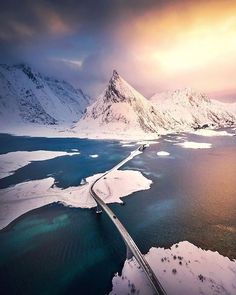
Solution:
(143, 147)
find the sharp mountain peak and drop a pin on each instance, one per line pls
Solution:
(119, 90)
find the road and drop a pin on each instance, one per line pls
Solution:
(130, 244)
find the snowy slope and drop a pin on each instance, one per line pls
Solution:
(191, 109)
(28, 96)
(121, 111)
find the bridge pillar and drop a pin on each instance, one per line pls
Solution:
(98, 209)
(129, 254)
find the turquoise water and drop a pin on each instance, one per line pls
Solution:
(61, 250)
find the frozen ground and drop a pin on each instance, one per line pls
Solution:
(182, 269)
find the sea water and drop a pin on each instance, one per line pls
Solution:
(62, 250)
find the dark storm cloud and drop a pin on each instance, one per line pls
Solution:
(84, 40)
(43, 32)
(35, 30)
(31, 18)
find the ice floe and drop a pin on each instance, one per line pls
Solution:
(163, 153)
(210, 132)
(194, 145)
(170, 140)
(12, 161)
(128, 144)
(147, 142)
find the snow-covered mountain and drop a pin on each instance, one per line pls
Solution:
(121, 111)
(30, 103)
(28, 96)
(191, 109)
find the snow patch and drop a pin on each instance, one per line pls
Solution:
(74, 150)
(194, 145)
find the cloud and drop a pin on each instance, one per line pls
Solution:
(70, 62)
(155, 45)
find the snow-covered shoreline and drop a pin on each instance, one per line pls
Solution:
(212, 132)
(57, 109)
(67, 131)
(182, 269)
(23, 197)
(30, 195)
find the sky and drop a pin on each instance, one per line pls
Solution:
(155, 45)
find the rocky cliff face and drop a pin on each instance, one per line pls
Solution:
(192, 109)
(28, 96)
(120, 108)
(122, 111)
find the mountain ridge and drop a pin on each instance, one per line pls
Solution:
(120, 110)
(195, 109)
(123, 109)
(26, 95)
(30, 100)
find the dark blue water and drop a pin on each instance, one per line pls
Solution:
(59, 250)
(67, 170)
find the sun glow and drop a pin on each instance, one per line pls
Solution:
(193, 39)
(199, 46)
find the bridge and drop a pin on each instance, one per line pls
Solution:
(131, 247)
